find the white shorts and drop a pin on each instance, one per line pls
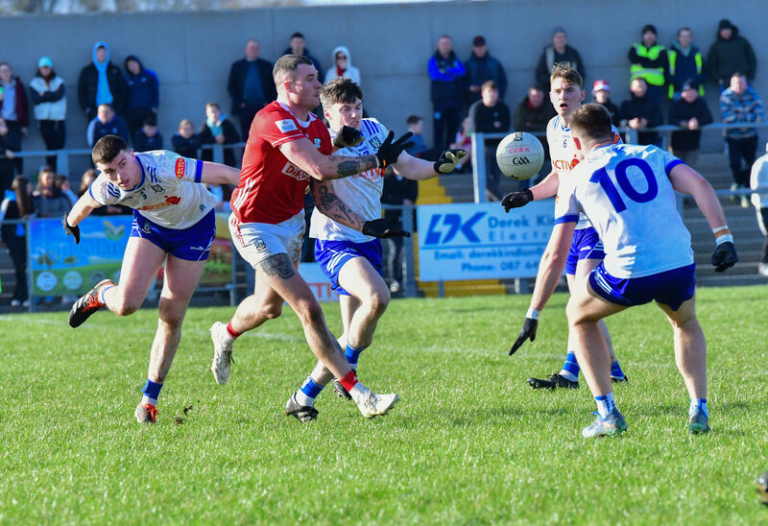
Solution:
(257, 241)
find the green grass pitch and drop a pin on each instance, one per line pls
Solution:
(469, 442)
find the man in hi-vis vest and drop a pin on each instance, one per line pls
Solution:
(650, 62)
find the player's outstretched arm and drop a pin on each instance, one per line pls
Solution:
(215, 173)
(303, 154)
(329, 204)
(417, 169)
(80, 211)
(551, 269)
(688, 181)
(546, 188)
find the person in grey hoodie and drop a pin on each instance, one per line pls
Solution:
(48, 95)
(100, 82)
(342, 66)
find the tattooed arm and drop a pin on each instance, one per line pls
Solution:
(303, 154)
(330, 205)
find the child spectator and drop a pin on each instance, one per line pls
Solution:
(63, 184)
(48, 199)
(143, 96)
(185, 141)
(17, 204)
(107, 122)
(641, 112)
(219, 130)
(601, 92)
(690, 113)
(416, 127)
(148, 138)
(48, 95)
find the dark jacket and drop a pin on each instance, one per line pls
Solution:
(447, 76)
(97, 130)
(494, 119)
(55, 206)
(480, 70)
(679, 114)
(614, 111)
(396, 190)
(236, 83)
(88, 84)
(727, 57)
(638, 107)
(22, 105)
(230, 137)
(530, 119)
(186, 147)
(685, 67)
(143, 90)
(307, 54)
(550, 57)
(142, 143)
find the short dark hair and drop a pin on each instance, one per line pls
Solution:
(107, 148)
(150, 121)
(413, 119)
(289, 64)
(737, 74)
(489, 84)
(536, 87)
(564, 70)
(340, 90)
(593, 121)
(297, 34)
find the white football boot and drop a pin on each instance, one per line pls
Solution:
(372, 404)
(222, 352)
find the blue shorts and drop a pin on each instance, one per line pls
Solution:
(671, 288)
(332, 255)
(586, 244)
(192, 244)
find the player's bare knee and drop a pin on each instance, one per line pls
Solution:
(171, 315)
(377, 303)
(271, 312)
(310, 312)
(126, 306)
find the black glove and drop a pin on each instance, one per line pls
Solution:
(389, 151)
(384, 227)
(71, 230)
(448, 161)
(528, 331)
(516, 200)
(724, 256)
(348, 137)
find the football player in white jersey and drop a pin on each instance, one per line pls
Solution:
(352, 260)
(586, 251)
(628, 193)
(173, 222)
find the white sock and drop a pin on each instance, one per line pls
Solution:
(303, 399)
(147, 400)
(605, 404)
(568, 376)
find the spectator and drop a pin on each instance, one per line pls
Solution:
(760, 201)
(689, 112)
(729, 54)
(490, 115)
(100, 83)
(342, 66)
(13, 106)
(250, 85)
(740, 104)
(641, 112)
(416, 127)
(86, 180)
(17, 204)
(48, 96)
(482, 67)
(298, 46)
(148, 138)
(63, 184)
(107, 122)
(48, 198)
(397, 191)
(601, 92)
(558, 52)
(685, 64)
(532, 114)
(185, 141)
(143, 94)
(10, 141)
(220, 130)
(446, 72)
(649, 61)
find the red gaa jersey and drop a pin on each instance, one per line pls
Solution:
(272, 188)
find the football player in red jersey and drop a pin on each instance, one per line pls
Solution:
(287, 147)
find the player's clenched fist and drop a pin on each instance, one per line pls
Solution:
(390, 151)
(724, 256)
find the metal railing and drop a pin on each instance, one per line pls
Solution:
(479, 162)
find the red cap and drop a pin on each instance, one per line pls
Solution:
(601, 84)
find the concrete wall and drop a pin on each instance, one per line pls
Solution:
(192, 52)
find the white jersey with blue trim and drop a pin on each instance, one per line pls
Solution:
(564, 155)
(361, 192)
(626, 193)
(166, 194)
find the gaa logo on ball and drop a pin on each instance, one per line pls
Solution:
(520, 156)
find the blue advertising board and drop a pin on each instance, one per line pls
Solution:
(480, 241)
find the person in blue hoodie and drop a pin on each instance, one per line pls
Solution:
(100, 82)
(143, 95)
(447, 74)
